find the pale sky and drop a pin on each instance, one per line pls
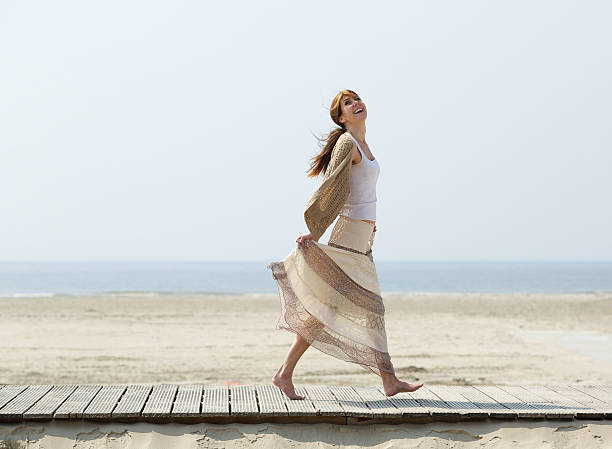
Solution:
(169, 130)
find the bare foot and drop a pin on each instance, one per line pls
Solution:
(286, 385)
(399, 387)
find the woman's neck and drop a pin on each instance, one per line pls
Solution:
(358, 132)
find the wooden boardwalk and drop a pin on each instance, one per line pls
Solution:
(332, 404)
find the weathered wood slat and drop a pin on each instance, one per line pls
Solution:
(188, 401)
(458, 403)
(380, 406)
(577, 409)
(522, 409)
(15, 409)
(538, 402)
(300, 407)
(406, 403)
(605, 387)
(215, 400)
(583, 398)
(159, 403)
(595, 391)
(435, 405)
(324, 401)
(77, 402)
(9, 392)
(243, 400)
(271, 401)
(350, 401)
(51, 401)
(132, 402)
(484, 402)
(103, 403)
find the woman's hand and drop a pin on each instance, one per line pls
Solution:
(302, 238)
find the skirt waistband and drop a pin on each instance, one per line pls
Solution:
(352, 235)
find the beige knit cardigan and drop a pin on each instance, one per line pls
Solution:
(327, 201)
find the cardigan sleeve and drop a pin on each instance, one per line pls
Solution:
(327, 201)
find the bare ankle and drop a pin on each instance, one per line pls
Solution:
(284, 374)
(388, 378)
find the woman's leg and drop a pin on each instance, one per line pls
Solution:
(283, 377)
(391, 384)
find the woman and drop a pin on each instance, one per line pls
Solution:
(330, 297)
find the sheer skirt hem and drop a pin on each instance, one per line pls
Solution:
(297, 319)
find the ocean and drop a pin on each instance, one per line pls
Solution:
(225, 277)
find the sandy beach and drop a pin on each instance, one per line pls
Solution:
(499, 435)
(452, 339)
(434, 338)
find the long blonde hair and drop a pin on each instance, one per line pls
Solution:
(320, 162)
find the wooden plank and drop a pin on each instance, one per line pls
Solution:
(482, 401)
(159, 403)
(9, 392)
(243, 400)
(604, 387)
(14, 409)
(380, 406)
(458, 403)
(103, 403)
(595, 391)
(538, 402)
(577, 409)
(435, 405)
(77, 402)
(132, 402)
(215, 400)
(406, 403)
(298, 407)
(337, 403)
(271, 400)
(350, 401)
(188, 401)
(566, 390)
(522, 409)
(324, 401)
(49, 403)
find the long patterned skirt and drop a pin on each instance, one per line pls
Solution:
(331, 297)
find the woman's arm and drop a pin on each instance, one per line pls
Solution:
(327, 201)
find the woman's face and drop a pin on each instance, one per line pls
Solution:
(353, 110)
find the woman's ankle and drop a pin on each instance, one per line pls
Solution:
(284, 373)
(388, 378)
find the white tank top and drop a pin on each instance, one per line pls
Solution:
(361, 202)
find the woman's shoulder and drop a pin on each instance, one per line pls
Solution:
(342, 151)
(344, 143)
(345, 136)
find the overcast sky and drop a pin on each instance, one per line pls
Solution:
(150, 130)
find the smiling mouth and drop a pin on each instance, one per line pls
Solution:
(359, 111)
